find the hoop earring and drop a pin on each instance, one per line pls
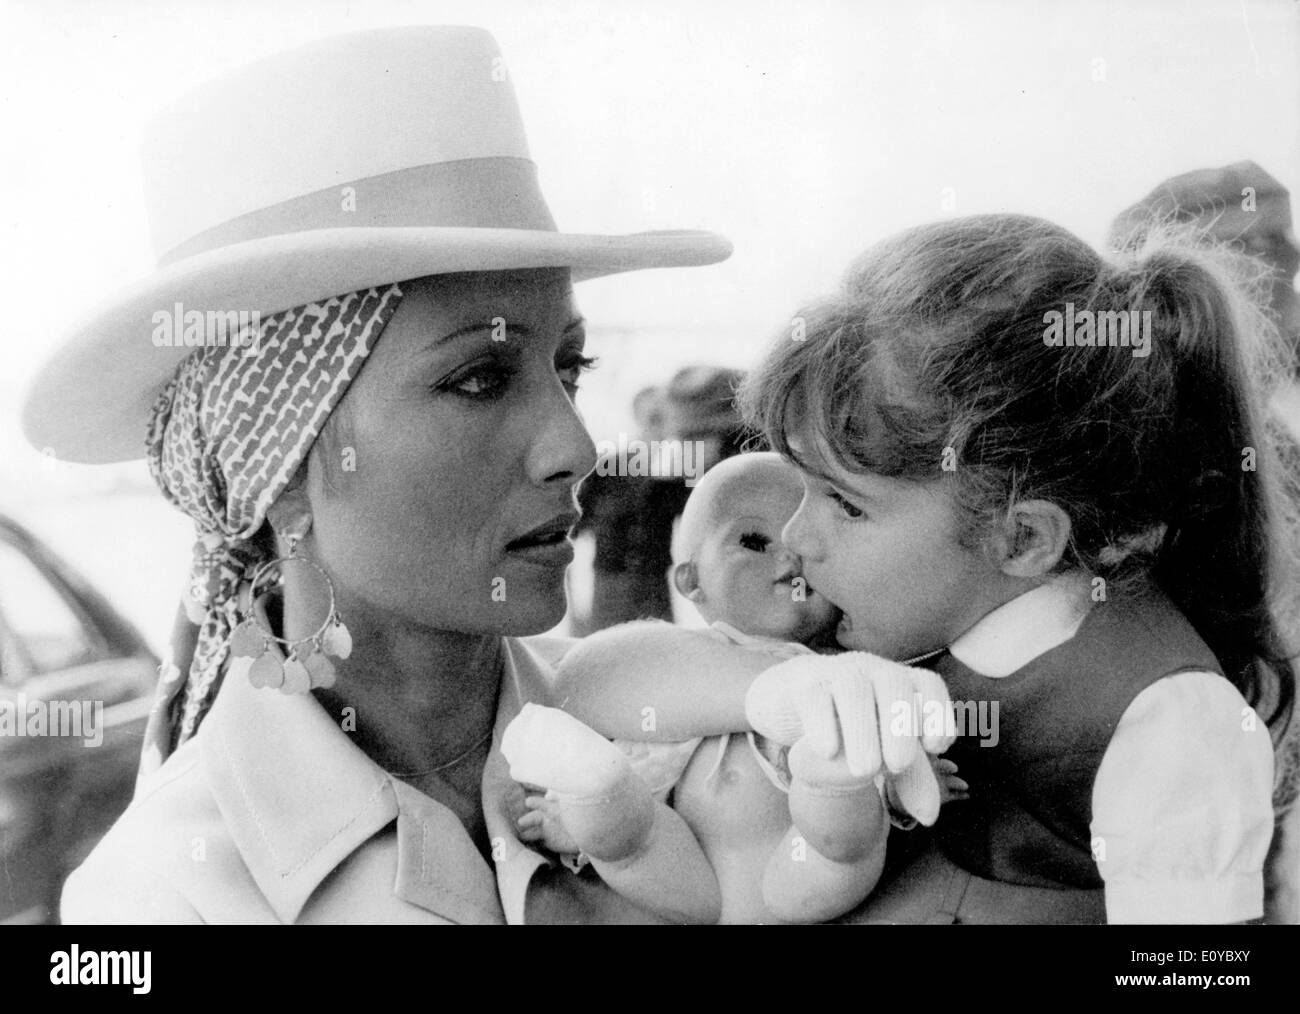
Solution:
(305, 667)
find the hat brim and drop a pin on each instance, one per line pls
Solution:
(91, 401)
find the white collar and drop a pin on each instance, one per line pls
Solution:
(1020, 630)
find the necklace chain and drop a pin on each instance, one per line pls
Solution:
(474, 747)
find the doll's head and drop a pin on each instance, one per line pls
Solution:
(730, 560)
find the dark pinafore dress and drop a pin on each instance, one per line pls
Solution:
(1020, 849)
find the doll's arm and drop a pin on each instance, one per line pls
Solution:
(652, 681)
(642, 681)
(831, 857)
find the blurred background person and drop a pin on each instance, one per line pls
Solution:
(699, 405)
(1240, 205)
(648, 411)
(631, 516)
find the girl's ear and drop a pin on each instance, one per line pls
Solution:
(1035, 539)
(687, 580)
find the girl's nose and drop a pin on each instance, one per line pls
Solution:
(797, 536)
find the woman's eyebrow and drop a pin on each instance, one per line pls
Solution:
(522, 330)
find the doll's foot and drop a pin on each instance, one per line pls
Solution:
(552, 749)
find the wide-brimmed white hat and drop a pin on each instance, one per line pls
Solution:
(352, 162)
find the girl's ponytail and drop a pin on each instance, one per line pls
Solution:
(1228, 557)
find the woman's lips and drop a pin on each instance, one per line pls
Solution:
(547, 545)
(549, 551)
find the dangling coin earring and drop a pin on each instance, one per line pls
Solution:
(305, 667)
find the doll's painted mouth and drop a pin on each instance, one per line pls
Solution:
(789, 577)
(790, 584)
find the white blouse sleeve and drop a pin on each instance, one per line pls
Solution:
(1182, 806)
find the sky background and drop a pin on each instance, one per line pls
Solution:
(803, 132)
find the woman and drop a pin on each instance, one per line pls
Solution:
(367, 201)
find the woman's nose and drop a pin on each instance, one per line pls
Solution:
(797, 536)
(562, 449)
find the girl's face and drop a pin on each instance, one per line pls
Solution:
(885, 551)
(459, 450)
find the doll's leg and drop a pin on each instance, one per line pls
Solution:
(663, 868)
(800, 885)
(834, 851)
(639, 846)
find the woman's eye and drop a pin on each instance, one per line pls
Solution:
(755, 542)
(571, 370)
(846, 508)
(478, 382)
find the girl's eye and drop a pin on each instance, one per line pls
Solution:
(846, 508)
(755, 542)
(573, 369)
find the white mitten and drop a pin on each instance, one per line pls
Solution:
(874, 706)
(780, 704)
(916, 790)
(552, 749)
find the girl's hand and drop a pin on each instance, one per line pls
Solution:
(951, 788)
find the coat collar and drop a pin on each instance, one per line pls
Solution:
(298, 797)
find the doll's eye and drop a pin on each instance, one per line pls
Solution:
(755, 542)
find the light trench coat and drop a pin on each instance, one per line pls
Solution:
(271, 814)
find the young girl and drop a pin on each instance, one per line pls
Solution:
(1058, 469)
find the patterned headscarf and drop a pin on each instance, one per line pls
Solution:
(226, 437)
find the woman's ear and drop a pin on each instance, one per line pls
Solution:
(1036, 536)
(686, 580)
(290, 515)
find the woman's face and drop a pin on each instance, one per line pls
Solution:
(458, 451)
(886, 552)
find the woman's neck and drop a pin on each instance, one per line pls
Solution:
(414, 699)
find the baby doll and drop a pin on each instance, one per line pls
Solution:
(756, 831)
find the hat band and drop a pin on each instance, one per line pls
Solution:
(485, 193)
